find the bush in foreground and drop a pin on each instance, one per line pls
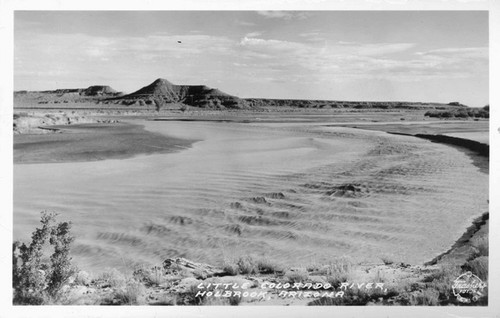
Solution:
(35, 279)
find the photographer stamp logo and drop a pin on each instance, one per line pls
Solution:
(468, 288)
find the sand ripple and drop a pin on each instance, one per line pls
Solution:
(296, 194)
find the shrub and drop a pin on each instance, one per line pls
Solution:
(249, 265)
(482, 246)
(442, 281)
(339, 270)
(234, 300)
(478, 266)
(267, 266)
(154, 276)
(131, 294)
(243, 265)
(426, 297)
(191, 297)
(113, 278)
(230, 268)
(36, 281)
(297, 276)
(460, 113)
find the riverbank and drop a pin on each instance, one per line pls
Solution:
(249, 281)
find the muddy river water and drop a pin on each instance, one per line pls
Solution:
(296, 194)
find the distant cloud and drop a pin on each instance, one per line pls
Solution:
(372, 49)
(307, 34)
(245, 23)
(350, 60)
(472, 52)
(87, 57)
(345, 43)
(381, 48)
(250, 58)
(253, 34)
(312, 36)
(48, 73)
(190, 44)
(287, 15)
(81, 46)
(270, 45)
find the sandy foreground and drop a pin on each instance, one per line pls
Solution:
(295, 193)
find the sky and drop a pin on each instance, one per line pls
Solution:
(438, 56)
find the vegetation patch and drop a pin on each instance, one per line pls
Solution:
(460, 113)
(37, 280)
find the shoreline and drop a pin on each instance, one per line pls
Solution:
(462, 248)
(477, 151)
(481, 149)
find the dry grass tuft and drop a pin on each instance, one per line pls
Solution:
(247, 265)
(426, 297)
(250, 265)
(266, 266)
(339, 270)
(230, 268)
(151, 276)
(442, 281)
(113, 277)
(131, 294)
(296, 276)
(482, 246)
(478, 266)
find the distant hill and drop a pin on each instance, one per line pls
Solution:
(161, 91)
(162, 94)
(99, 90)
(94, 90)
(71, 96)
(311, 103)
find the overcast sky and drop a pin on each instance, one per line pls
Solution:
(351, 55)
